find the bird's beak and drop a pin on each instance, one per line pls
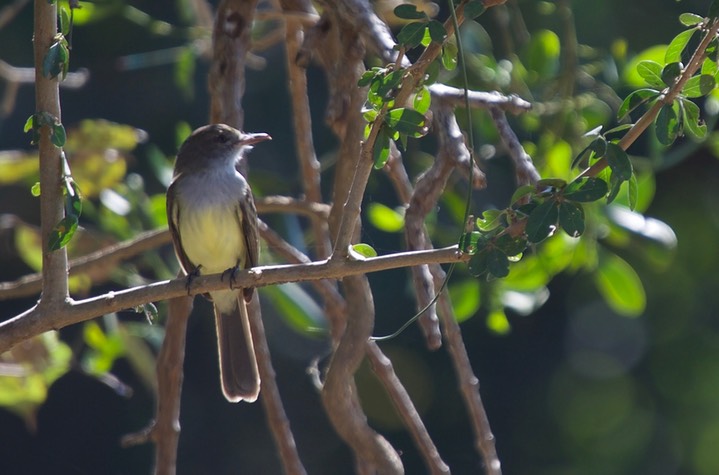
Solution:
(249, 139)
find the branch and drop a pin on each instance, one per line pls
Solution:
(47, 98)
(524, 168)
(485, 100)
(38, 319)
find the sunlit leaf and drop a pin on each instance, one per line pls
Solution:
(677, 45)
(466, 299)
(491, 219)
(651, 72)
(542, 221)
(62, 232)
(690, 19)
(422, 100)
(380, 152)
(407, 121)
(620, 286)
(636, 99)
(361, 251)
(385, 218)
(692, 122)
(497, 322)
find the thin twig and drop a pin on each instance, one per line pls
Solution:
(524, 168)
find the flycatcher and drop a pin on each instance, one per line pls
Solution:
(213, 223)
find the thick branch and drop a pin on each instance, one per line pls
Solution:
(47, 98)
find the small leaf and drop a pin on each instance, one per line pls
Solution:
(385, 218)
(473, 9)
(586, 189)
(571, 218)
(692, 122)
(497, 263)
(35, 189)
(58, 136)
(671, 72)
(690, 19)
(491, 219)
(651, 72)
(677, 45)
(498, 323)
(619, 162)
(615, 184)
(469, 241)
(449, 56)
(65, 21)
(422, 100)
(367, 77)
(29, 124)
(596, 148)
(551, 183)
(667, 125)
(380, 152)
(62, 232)
(407, 121)
(477, 264)
(521, 192)
(699, 86)
(437, 31)
(511, 246)
(466, 299)
(636, 99)
(620, 286)
(408, 11)
(633, 192)
(411, 34)
(361, 251)
(542, 221)
(56, 59)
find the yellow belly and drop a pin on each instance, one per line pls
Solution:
(212, 238)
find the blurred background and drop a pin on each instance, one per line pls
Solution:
(595, 356)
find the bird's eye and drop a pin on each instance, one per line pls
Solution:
(223, 138)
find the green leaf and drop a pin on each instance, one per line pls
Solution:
(388, 83)
(521, 192)
(586, 189)
(477, 264)
(380, 152)
(411, 34)
(651, 72)
(620, 286)
(692, 122)
(367, 77)
(296, 308)
(407, 121)
(690, 19)
(677, 45)
(543, 53)
(364, 250)
(615, 184)
(466, 299)
(56, 59)
(498, 323)
(699, 86)
(667, 125)
(497, 263)
(491, 219)
(619, 162)
(510, 246)
(468, 243)
(636, 99)
(437, 31)
(57, 135)
(542, 221)
(596, 148)
(557, 183)
(62, 232)
(422, 100)
(473, 9)
(432, 72)
(670, 73)
(65, 21)
(35, 189)
(571, 218)
(385, 218)
(449, 56)
(408, 11)
(633, 192)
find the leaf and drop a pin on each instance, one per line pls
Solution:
(542, 221)
(466, 299)
(677, 45)
(468, 243)
(62, 232)
(35, 189)
(619, 162)
(670, 73)
(437, 31)
(367, 77)
(65, 24)
(636, 99)
(491, 219)
(361, 251)
(551, 183)
(497, 263)
(296, 308)
(384, 218)
(56, 59)
(411, 34)
(690, 19)
(408, 11)
(521, 192)
(422, 100)
(667, 125)
(620, 286)
(380, 152)
(633, 192)
(473, 9)
(58, 135)
(407, 121)
(692, 122)
(571, 218)
(586, 189)
(477, 264)
(699, 86)
(449, 56)
(510, 246)
(597, 147)
(651, 72)
(498, 323)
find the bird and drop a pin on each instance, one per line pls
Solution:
(213, 223)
